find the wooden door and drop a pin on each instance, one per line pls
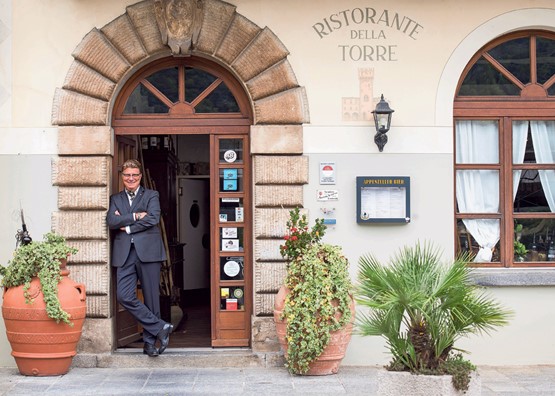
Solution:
(231, 223)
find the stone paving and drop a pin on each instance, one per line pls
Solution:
(506, 380)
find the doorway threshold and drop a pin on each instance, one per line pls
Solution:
(180, 357)
(187, 350)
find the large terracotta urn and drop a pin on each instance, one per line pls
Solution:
(40, 346)
(330, 359)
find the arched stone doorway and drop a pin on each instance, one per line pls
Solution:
(104, 60)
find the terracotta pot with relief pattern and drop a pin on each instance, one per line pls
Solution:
(40, 346)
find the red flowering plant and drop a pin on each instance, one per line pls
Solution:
(299, 237)
(319, 291)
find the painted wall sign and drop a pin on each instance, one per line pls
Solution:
(370, 27)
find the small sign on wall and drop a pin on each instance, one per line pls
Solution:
(327, 195)
(327, 172)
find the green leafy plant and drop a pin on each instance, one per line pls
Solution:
(319, 291)
(520, 250)
(421, 307)
(299, 236)
(40, 259)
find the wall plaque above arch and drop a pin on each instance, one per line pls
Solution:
(179, 22)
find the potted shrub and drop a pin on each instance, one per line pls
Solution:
(421, 307)
(314, 310)
(43, 309)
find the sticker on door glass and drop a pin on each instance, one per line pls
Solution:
(230, 156)
(230, 185)
(232, 268)
(230, 245)
(229, 232)
(230, 174)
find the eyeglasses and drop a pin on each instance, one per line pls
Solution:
(130, 175)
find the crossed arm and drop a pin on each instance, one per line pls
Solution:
(134, 222)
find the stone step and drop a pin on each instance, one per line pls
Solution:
(199, 358)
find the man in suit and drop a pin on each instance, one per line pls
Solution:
(137, 253)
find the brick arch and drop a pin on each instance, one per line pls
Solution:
(106, 56)
(103, 61)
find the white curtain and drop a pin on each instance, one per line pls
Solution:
(543, 137)
(478, 190)
(520, 133)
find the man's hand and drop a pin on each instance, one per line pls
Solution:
(140, 215)
(117, 213)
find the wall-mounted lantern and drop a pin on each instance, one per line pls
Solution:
(382, 119)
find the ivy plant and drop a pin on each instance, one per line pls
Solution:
(40, 259)
(319, 291)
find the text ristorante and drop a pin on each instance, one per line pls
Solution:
(367, 15)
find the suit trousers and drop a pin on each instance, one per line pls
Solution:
(147, 313)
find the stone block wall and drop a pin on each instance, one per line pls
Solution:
(82, 173)
(279, 173)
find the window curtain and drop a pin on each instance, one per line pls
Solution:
(520, 133)
(543, 138)
(478, 190)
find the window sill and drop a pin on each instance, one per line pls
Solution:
(514, 276)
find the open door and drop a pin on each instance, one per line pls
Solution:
(127, 328)
(186, 96)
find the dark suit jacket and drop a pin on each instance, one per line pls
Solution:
(145, 232)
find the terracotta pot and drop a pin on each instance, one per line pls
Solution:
(330, 359)
(41, 346)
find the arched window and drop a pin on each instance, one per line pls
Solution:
(189, 93)
(504, 117)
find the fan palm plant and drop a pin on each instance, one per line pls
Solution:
(422, 306)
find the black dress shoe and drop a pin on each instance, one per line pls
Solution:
(150, 350)
(164, 337)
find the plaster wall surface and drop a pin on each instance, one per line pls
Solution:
(318, 61)
(27, 184)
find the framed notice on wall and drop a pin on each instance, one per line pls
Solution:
(383, 199)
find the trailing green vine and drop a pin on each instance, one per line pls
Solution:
(40, 259)
(319, 291)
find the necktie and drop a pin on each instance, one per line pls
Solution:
(131, 195)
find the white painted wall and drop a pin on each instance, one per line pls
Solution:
(26, 183)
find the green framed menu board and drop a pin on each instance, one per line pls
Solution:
(383, 199)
